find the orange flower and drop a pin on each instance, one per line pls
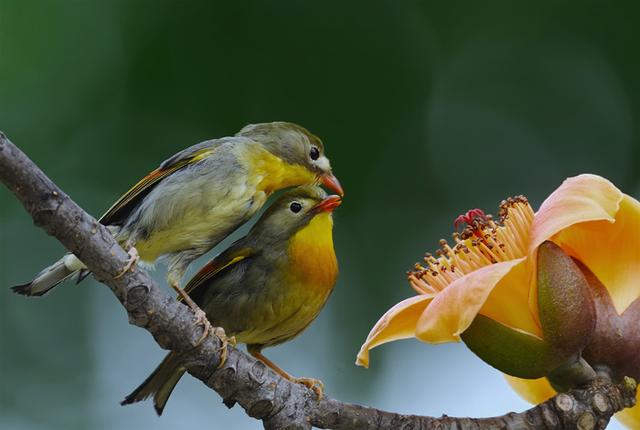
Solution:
(491, 267)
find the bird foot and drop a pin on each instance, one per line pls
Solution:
(314, 385)
(134, 257)
(224, 352)
(207, 328)
(200, 317)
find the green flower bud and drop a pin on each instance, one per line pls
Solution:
(513, 352)
(565, 303)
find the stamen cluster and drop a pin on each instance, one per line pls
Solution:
(481, 242)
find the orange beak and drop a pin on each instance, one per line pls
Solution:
(328, 204)
(331, 182)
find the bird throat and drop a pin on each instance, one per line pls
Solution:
(313, 258)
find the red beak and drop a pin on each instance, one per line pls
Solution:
(331, 182)
(328, 204)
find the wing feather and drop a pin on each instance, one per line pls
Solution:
(125, 204)
(215, 266)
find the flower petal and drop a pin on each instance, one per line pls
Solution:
(399, 322)
(630, 417)
(534, 391)
(454, 308)
(579, 199)
(610, 250)
(508, 303)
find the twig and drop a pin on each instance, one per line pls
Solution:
(260, 391)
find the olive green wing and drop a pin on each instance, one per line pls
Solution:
(123, 207)
(233, 255)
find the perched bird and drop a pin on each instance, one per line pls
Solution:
(265, 288)
(200, 195)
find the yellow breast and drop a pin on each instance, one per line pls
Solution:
(312, 256)
(289, 305)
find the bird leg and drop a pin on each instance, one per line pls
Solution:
(177, 269)
(200, 316)
(134, 257)
(314, 385)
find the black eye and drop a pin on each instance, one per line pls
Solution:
(314, 153)
(295, 207)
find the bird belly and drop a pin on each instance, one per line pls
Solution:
(282, 316)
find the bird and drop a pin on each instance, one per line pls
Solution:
(266, 288)
(197, 197)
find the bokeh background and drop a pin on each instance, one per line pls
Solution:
(427, 109)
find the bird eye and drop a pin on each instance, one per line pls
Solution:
(295, 207)
(314, 153)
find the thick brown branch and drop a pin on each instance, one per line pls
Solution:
(243, 380)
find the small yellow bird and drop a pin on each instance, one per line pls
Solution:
(265, 288)
(200, 195)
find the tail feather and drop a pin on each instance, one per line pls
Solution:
(50, 277)
(159, 384)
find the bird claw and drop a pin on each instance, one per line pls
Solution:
(134, 257)
(224, 352)
(315, 385)
(200, 319)
(207, 328)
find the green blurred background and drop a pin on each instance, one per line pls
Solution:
(426, 110)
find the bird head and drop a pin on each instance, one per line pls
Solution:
(295, 210)
(295, 145)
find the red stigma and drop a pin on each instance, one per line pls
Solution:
(469, 217)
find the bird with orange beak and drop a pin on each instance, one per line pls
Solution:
(200, 195)
(266, 288)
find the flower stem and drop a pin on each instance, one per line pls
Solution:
(574, 373)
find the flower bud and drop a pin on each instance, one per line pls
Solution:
(511, 351)
(566, 308)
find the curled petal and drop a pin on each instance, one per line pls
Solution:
(611, 251)
(579, 199)
(454, 308)
(534, 391)
(399, 322)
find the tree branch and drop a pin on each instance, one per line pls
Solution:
(261, 392)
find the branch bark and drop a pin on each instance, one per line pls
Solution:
(262, 393)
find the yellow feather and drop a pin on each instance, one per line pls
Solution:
(271, 173)
(312, 254)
